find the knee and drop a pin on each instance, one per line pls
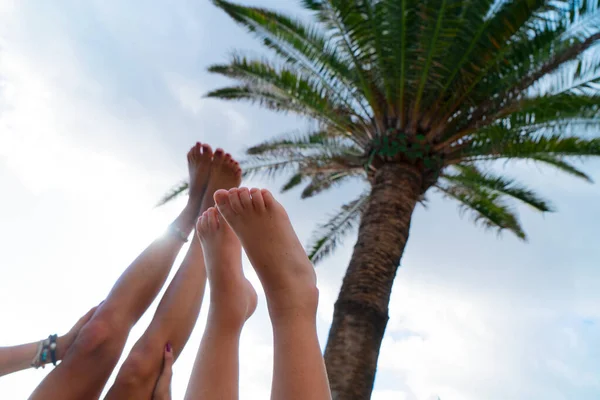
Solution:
(140, 367)
(99, 335)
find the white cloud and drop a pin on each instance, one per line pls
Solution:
(190, 95)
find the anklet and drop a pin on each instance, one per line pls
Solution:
(178, 233)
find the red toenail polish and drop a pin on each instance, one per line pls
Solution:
(168, 347)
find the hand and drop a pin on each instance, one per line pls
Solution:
(64, 342)
(162, 391)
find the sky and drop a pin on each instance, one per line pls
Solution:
(99, 102)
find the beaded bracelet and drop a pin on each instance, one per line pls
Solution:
(53, 348)
(45, 347)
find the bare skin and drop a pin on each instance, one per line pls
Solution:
(17, 358)
(178, 310)
(163, 384)
(232, 302)
(289, 281)
(97, 348)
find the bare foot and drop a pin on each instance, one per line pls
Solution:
(263, 227)
(225, 173)
(199, 166)
(233, 299)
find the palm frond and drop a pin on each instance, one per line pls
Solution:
(487, 208)
(559, 107)
(569, 112)
(282, 88)
(296, 143)
(269, 166)
(438, 20)
(512, 97)
(301, 45)
(526, 146)
(323, 181)
(503, 23)
(581, 77)
(324, 160)
(562, 166)
(174, 193)
(524, 56)
(314, 155)
(293, 182)
(331, 234)
(559, 59)
(473, 25)
(471, 177)
(348, 29)
(400, 22)
(540, 47)
(265, 97)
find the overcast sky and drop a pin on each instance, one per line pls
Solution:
(99, 102)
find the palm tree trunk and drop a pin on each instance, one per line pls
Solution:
(361, 311)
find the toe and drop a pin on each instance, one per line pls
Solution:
(192, 153)
(234, 200)
(245, 198)
(219, 156)
(197, 151)
(213, 223)
(257, 199)
(221, 198)
(205, 221)
(202, 224)
(268, 198)
(207, 152)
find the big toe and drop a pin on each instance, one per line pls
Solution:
(219, 157)
(207, 153)
(194, 152)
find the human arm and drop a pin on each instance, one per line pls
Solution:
(17, 358)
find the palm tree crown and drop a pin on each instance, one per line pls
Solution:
(441, 85)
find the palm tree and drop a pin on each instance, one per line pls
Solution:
(413, 97)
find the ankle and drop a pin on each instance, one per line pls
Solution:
(222, 321)
(186, 221)
(192, 209)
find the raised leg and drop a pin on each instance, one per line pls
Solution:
(289, 280)
(178, 310)
(232, 302)
(98, 346)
